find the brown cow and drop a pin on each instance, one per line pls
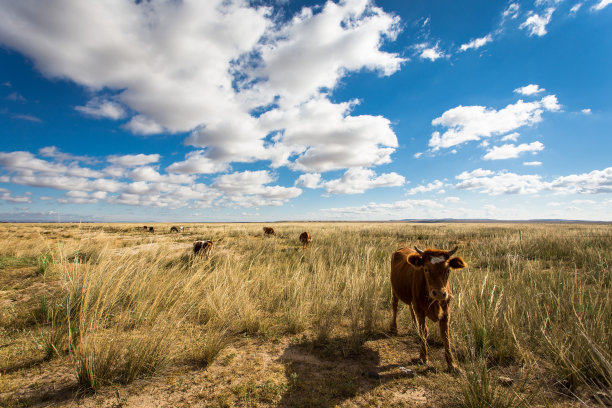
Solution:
(305, 239)
(151, 229)
(203, 246)
(420, 279)
(269, 231)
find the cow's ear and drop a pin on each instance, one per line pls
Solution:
(457, 263)
(415, 260)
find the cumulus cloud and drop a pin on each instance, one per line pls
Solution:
(323, 136)
(248, 189)
(82, 197)
(502, 182)
(358, 180)
(133, 160)
(197, 163)
(435, 185)
(536, 24)
(203, 67)
(131, 181)
(586, 111)
(532, 163)
(5, 195)
(102, 108)
(314, 50)
(429, 52)
(472, 123)
(597, 181)
(309, 180)
(510, 151)
(476, 43)
(530, 89)
(55, 153)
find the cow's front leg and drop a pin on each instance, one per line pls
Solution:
(423, 333)
(450, 359)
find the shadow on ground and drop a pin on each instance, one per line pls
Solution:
(326, 375)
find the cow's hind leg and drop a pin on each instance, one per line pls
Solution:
(394, 305)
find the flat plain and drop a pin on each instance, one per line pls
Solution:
(112, 315)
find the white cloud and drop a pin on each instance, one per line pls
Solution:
(511, 137)
(197, 163)
(54, 152)
(476, 43)
(510, 151)
(536, 24)
(314, 50)
(530, 89)
(309, 180)
(202, 67)
(435, 185)
(512, 11)
(133, 160)
(102, 108)
(575, 8)
(248, 189)
(324, 137)
(400, 209)
(502, 183)
(597, 181)
(432, 53)
(358, 180)
(471, 123)
(586, 111)
(495, 183)
(148, 173)
(532, 163)
(143, 125)
(452, 199)
(474, 173)
(5, 195)
(601, 5)
(82, 197)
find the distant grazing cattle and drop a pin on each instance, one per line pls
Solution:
(145, 228)
(420, 279)
(269, 231)
(181, 228)
(151, 229)
(174, 229)
(305, 239)
(202, 247)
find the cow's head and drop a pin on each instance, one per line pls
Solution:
(436, 265)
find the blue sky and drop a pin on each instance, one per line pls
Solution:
(313, 110)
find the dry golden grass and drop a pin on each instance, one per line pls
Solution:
(263, 322)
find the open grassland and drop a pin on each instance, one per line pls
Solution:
(111, 315)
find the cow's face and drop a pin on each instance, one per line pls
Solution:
(436, 266)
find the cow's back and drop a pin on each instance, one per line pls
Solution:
(404, 276)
